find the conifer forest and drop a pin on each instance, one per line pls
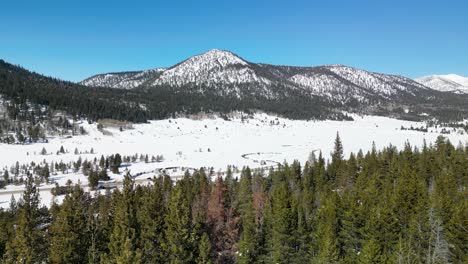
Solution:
(383, 206)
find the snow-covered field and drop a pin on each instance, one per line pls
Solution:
(218, 143)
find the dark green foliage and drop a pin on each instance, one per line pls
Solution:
(151, 213)
(95, 103)
(95, 176)
(69, 241)
(179, 228)
(384, 206)
(125, 236)
(27, 244)
(205, 250)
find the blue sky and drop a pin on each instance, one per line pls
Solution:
(73, 40)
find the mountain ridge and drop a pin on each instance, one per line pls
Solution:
(222, 82)
(219, 69)
(446, 83)
(225, 75)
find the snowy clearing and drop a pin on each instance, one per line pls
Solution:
(261, 141)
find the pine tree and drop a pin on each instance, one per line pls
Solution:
(204, 256)
(336, 165)
(352, 225)
(337, 154)
(244, 204)
(69, 242)
(6, 176)
(13, 205)
(6, 229)
(248, 240)
(178, 233)
(93, 253)
(151, 213)
(123, 243)
(27, 245)
(457, 232)
(244, 195)
(284, 224)
(326, 237)
(102, 162)
(371, 253)
(100, 226)
(308, 195)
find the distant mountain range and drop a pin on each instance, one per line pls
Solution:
(221, 81)
(446, 83)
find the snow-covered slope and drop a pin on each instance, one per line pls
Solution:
(220, 72)
(122, 80)
(215, 69)
(344, 83)
(376, 82)
(446, 83)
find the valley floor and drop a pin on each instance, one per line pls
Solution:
(260, 141)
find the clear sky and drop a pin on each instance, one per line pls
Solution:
(75, 39)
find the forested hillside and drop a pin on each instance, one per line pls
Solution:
(21, 85)
(384, 206)
(319, 93)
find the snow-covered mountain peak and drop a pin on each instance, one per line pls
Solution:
(212, 58)
(335, 65)
(457, 78)
(213, 67)
(446, 83)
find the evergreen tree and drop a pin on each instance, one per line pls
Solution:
(27, 245)
(6, 176)
(283, 226)
(335, 169)
(337, 154)
(151, 213)
(456, 232)
(371, 253)
(69, 241)
(123, 243)
(178, 233)
(204, 257)
(248, 239)
(326, 237)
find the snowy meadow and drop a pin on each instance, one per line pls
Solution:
(257, 141)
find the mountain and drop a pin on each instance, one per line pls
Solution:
(446, 83)
(226, 74)
(222, 82)
(213, 68)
